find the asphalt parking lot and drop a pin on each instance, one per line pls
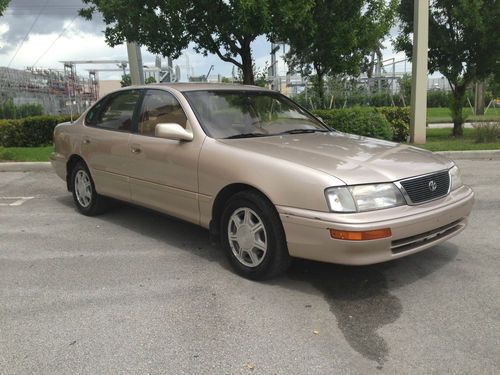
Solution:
(136, 292)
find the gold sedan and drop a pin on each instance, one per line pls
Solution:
(267, 178)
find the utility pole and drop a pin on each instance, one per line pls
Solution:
(418, 117)
(479, 99)
(135, 63)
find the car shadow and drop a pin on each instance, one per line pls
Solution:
(359, 297)
(169, 230)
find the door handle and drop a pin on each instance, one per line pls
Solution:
(136, 150)
(86, 141)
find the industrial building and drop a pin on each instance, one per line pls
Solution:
(58, 91)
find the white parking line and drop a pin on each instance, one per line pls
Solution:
(17, 201)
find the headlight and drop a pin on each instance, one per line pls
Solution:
(455, 178)
(362, 198)
(340, 200)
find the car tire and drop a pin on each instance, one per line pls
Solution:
(86, 198)
(253, 238)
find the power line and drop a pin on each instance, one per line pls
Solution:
(55, 40)
(28, 33)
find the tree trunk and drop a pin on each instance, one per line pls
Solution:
(247, 62)
(456, 105)
(320, 88)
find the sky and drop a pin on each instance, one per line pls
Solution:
(42, 33)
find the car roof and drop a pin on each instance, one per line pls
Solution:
(195, 86)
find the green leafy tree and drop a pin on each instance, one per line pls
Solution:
(126, 80)
(332, 37)
(225, 28)
(464, 44)
(260, 76)
(9, 109)
(3, 5)
(150, 80)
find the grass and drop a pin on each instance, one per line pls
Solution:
(25, 153)
(437, 140)
(439, 115)
(442, 140)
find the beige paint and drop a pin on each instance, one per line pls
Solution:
(183, 178)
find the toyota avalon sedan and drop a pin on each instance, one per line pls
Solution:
(268, 179)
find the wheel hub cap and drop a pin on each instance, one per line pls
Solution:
(247, 237)
(83, 188)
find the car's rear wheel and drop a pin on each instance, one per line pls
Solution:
(253, 236)
(86, 198)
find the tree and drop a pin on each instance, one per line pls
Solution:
(260, 76)
(333, 36)
(225, 28)
(3, 5)
(150, 80)
(126, 80)
(464, 44)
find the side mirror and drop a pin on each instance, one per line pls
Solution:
(173, 131)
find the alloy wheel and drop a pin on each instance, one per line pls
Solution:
(247, 237)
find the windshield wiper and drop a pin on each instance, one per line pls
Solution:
(304, 131)
(246, 135)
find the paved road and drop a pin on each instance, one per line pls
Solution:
(137, 292)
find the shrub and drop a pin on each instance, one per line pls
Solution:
(357, 121)
(486, 132)
(399, 119)
(10, 111)
(438, 99)
(29, 132)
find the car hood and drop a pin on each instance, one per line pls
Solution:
(350, 158)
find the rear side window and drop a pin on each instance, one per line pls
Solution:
(159, 107)
(116, 113)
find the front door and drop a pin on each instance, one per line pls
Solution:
(163, 173)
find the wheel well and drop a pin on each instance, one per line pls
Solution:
(69, 167)
(220, 202)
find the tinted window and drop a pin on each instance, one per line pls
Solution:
(159, 107)
(115, 113)
(91, 114)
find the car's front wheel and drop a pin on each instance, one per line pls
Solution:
(86, 198)
(253, 236)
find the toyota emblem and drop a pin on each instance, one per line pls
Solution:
(433, 185)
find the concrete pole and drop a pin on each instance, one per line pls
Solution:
(135, 63)
(479, 99)
(418, 117)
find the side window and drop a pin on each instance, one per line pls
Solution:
(159, 107)
(117, 112)
(90, 118)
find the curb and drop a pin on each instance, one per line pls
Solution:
(25, 166)
(471, 155)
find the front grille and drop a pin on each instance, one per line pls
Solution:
(428, 187)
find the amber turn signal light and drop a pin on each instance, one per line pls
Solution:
(361, 235)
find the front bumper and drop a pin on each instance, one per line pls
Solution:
(414, 228)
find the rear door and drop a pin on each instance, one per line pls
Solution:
(106, 142)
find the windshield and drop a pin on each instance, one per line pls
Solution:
(244, 114)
